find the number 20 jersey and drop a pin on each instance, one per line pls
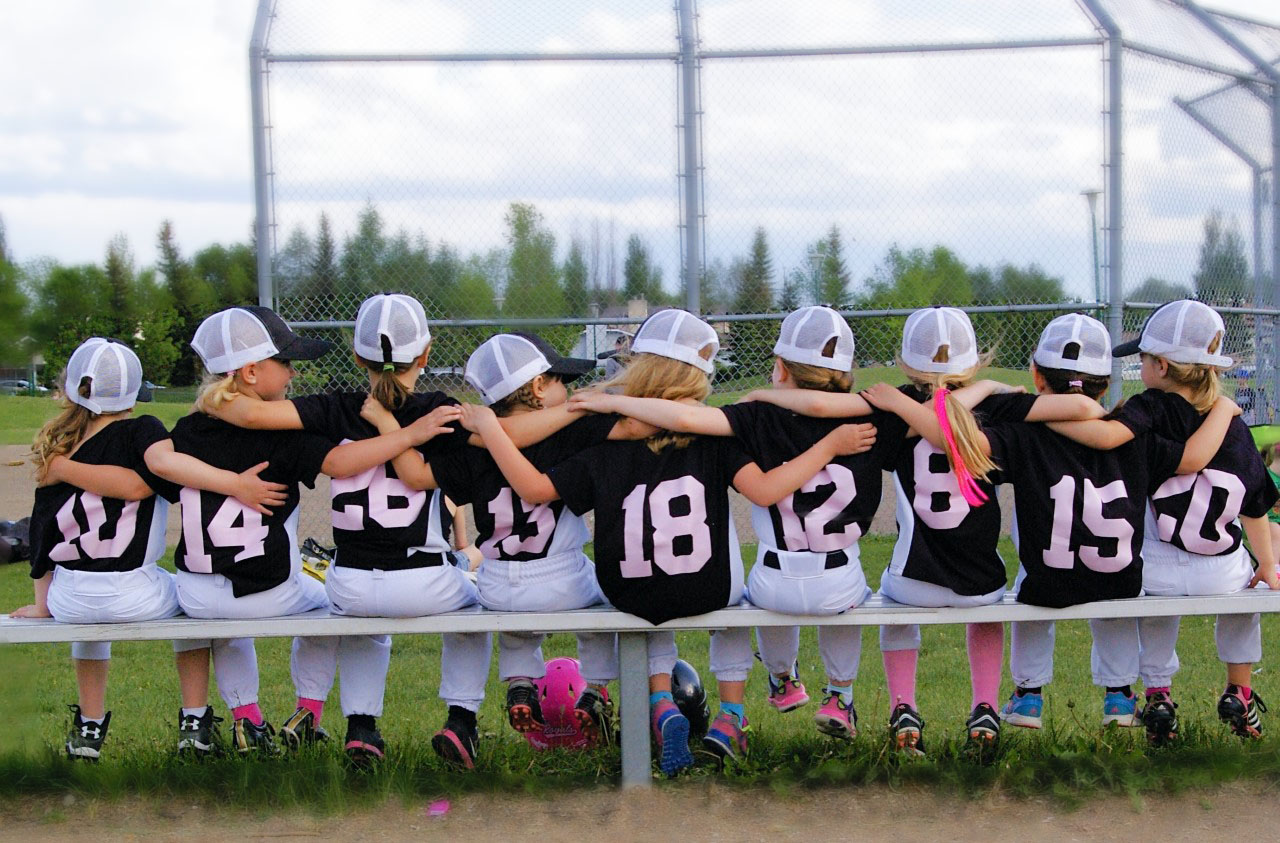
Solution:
(1079, 512)
(942, 539)
(834, 509)
(1199, 513)
(82, 531)
(220, 535)
(665, 546)
(508, 529)
(378, 521)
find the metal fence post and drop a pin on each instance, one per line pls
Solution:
(261, 195)
(692, 157)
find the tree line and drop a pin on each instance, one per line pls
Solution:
(47, 307)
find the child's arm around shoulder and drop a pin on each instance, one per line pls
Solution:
(767, 488)
(659, 413)
(253, 414)
(355, 457)
(1207, 440)
(185, 470)
(1064, 408)
(531, 485)
(811, 402)
(413, 471)
(919, 417)
(105, 481)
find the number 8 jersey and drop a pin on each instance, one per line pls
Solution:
(220, 535)
(378, 521)
(81, 531)
(665, 543)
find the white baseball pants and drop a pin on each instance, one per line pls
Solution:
(912, 592)
(146, 593)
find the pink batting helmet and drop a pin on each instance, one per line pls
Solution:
(558, 691)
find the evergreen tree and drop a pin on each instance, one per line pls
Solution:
(362, 255)
(192, 299)
(790, 299)
(636, 270)
(122, 313)
(833, 273)
(293, 265)
(1222, 278)
(754, 292)
(576, 293)
(533, 279)
(322, 284)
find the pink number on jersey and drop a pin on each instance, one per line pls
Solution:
(91, 542)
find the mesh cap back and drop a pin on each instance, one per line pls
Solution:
(1185, 331)
(805, 333)
(679, 335)
(232, 338)
(114, 371)
(928, 330)
(399, 318)
(502, 364)
(1076, 343)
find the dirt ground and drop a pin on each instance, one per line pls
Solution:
(701, 814)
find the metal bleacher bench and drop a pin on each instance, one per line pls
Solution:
(634, 691)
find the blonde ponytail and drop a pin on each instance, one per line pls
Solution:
(216, 390)
(964, 426)
(62, 433)
(655, 376)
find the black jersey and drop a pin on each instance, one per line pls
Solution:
(1199, 512)
(507, 527)
(665, 546)
(220, 535)
(1079, 512)
(85, 532)
(942, 538)
(378, 521)
(834, 509)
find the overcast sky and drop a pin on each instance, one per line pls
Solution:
(119, 115)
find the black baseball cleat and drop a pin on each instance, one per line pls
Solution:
(524, 712)
(198, 734)
(456, 742)
(906, 730)
(364, 745)
(982, 734)
(1243, 717)
(301, 729)
(1160, 718)
(247, 737)
(84, 741)
(594, 713)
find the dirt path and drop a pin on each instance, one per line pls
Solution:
(701, 814)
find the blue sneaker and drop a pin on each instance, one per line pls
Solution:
(671, 731)
(727, 739)
(1120, 709)
(1023, 710)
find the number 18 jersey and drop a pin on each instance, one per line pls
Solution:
(942, 539)
(665, 546)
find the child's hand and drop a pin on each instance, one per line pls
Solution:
(1266, 573)
(1001, 388)
(592, 401)
(849, 439)
(434, 423)
(379, 416)
(31, 611)
(258, 494)
(1227, 404)
(754, 395)
(53, 471)
(882, 396)
(477, 418)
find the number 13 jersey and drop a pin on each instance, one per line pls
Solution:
(665, 544)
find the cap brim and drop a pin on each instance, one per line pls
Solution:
(303, 348)
(144, 393)
(1126, 349)
(571, 368)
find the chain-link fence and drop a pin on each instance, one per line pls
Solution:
(567, 166)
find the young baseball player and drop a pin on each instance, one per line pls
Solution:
(233, 562)
(665, 542)
(947, 525)
(97, 528)
(1193, 539)
(808, 554)
(1078, 513)
(533, 559)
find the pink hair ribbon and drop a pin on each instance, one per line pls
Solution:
(969, 487)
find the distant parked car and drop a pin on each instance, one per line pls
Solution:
(17, 386)
(1131, 371)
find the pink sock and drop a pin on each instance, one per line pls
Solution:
(986, 658)
(316, 707)
(900, 673)
(250, 711)
(1162, 689)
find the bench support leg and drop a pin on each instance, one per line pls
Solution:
(633, 664)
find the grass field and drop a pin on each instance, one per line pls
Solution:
(1070, 759)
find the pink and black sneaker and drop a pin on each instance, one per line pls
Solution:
(364, 745)
(787, 694)
(456, 742)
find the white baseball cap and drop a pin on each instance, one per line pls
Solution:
(505, 362)
(679, 335)
(1076, 343)
(930, 329)
(805, 333)
(397, 317)
(114, 371)
(239, 336)
(1181, 331)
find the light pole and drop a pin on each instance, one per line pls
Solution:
(1092, 197)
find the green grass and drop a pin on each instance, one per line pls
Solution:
(21, 417)
(1069, 760)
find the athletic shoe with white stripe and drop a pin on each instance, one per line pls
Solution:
(983, 730)
(906, 730)
(84, 741)
(1120, 709)
(1023, 710)
(1240, 714)
(198, 734)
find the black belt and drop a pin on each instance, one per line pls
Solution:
(417, 560)
(835, 559)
